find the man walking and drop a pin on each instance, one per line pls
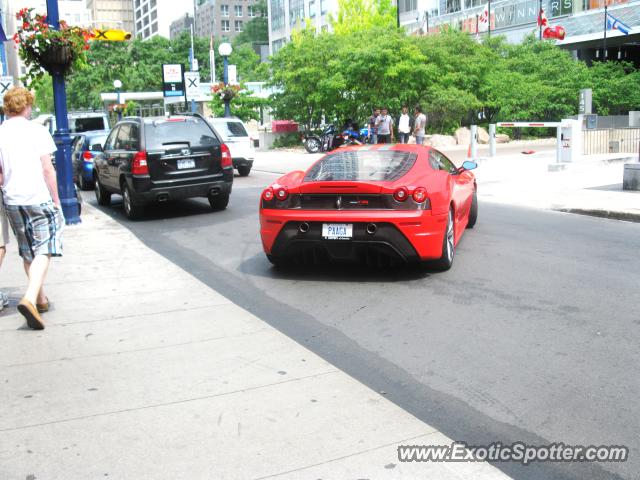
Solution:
(373, 131)
(32, 204)
(404, 129)
(419, 126)
(384, 124)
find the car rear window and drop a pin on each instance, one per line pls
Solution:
(79, 125)
(362, 165)
(230, 129)
(194, 132)
(91, 141)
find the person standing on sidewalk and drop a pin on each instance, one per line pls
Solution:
(373, 131)
(4, 239)
(30, 191)
(384, 124)
(419, 125)
(404, 128)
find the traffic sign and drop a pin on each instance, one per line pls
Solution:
(192, 84)
(6, 82)
(111, 35)
(173, 80)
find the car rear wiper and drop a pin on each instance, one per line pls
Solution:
(177, 143)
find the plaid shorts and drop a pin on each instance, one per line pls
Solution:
(4, 224)
(38, 229)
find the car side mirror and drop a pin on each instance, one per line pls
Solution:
(469, 165)
(96, 148)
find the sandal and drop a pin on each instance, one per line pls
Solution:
(43, 307)
(29, 312)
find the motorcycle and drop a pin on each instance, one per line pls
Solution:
(329, 140)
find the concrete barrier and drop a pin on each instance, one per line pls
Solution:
(631, 177)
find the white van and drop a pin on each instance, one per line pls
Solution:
(234, 135)
(79, 122)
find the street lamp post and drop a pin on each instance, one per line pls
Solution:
(66, 188)
(225, 50)
(117, 84)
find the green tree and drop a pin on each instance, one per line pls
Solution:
(359, 15)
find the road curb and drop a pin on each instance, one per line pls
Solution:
(602, 213)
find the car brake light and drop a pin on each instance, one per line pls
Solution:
(400, 194)
(226, 156)
(268, 194)
(139, 165)
(420, 194)
(87, 155)
(282, 193)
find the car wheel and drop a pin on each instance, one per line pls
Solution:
(219, 202)
(473, 211)
(312, 145)
(244, 171)
(448, 245)
(102, 196)
(131, 210)
(83, 184)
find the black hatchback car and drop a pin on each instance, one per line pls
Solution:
(158, 159)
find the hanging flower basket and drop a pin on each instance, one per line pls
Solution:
(44, 48)
(226, 92)
(56, 59)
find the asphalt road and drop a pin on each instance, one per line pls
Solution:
(532, 336)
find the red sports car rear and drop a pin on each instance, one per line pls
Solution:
(382, 205)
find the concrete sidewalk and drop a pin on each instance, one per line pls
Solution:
(145, 372)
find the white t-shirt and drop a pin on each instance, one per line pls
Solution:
(22, 143)
(403, 123)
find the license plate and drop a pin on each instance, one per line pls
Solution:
(337, 231)
(182, 164)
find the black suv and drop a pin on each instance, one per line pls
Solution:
(157, 159)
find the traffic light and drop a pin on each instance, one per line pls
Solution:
(111, 35)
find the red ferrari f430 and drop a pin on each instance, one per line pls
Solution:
(384, 205)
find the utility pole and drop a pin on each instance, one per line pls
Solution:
(606, 15)
(489, 19)
(66, 188)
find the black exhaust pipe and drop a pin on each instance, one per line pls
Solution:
(372, 228)
(303, 227)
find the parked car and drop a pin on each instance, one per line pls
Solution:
(380, 204)
(85, 146)
(79, 122)
(159, 159)
(234, 134)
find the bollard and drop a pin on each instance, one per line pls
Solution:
(474, 142)
(492, 139)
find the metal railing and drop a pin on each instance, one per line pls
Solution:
(611, 140)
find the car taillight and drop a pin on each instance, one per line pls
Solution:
(268, 194)
(139, 164)
(420, 194)
(281, 193)
(401, 194)
(226, 156)
(87, 155)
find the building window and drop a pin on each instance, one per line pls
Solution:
(154, 27)
(225, 25)
(154, 14)
(224, 10)
(323, 6)
(137, 3)
(312, 8)
(238, 25)
(250, 11)
(238, 9)
(152, 3)
(277, 14)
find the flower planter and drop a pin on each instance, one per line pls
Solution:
(57, 59)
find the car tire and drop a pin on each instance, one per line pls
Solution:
(473, 211)
(102, 196)
(244, 171)
(83, 184)
(448, 246)
(219, 202)
(131, 210)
